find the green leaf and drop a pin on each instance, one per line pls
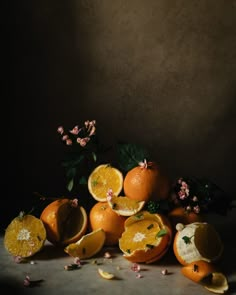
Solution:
(161, 233)
(73, 162)
(94, 156)
(70, 185)
(70, 172)
(129, 155)
(187, 240)
(83, 180)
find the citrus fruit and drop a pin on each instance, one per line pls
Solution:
(24, 236)
(102, 216)
(146, 182)
(105, 274)
(125, 206)
(87, 246)
(103, 178)
(207, 275)
(180, 215)
(197, 241)
(65, 221)
(146, 238)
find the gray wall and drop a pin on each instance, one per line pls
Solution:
(162, 73)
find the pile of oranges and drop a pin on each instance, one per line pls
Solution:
(117, 218)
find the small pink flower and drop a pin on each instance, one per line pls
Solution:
(26, 282)
(17, 259)
(180, 180)
(184, 185)
(74, 203)
(143, 164)
(107, 255)
(138, 276)
(68, 142)
(164, 272)
(92, 131)
(75, 130)
(77, 261)
(195, 199)
(65, 137)
(60, 130)
(182, 195)
(196, 209)
(135, 267)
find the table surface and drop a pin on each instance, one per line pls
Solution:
(46, 269)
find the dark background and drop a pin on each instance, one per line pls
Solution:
(159, 73)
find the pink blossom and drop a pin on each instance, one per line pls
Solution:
(138, 276)
(196, 209)
(182, 195)
(83, 141)
(75, 130)
(135, 267)
(68, 142)
(26, 282)
(17, 259)
(184, 185)
(65, 137)
(77, 261)
(60, 130)
(74, 203)
(195, 199)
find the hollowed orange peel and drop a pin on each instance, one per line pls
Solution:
(206, 274)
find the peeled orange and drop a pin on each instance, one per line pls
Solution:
(103, 178)
(102, 216)
(197, 241)
(146, 182)
(65, 221)
(146, 238)
(88, 246)
(24, 236)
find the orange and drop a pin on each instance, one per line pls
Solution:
(180, 215)
(197, 241)
(87, 246)
(104, 178)
(102, 216)
(24, 236)
(146, 182)
(206, 274)
(65, 221)
(146, 238)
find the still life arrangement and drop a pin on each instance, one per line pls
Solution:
(129, 203)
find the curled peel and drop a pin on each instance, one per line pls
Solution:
(207, 275)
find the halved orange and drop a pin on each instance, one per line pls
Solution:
(88, 246)
(24, 236)
(103, 178)
(206, 274)
(125, 206)
(146, 238)
(65, 221)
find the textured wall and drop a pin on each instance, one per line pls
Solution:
(161, 72)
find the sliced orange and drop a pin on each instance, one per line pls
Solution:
(65, 221)
(105, 274)
(103, 178)
(88, 246)
(146, 238)
(125, 206)
(207, 275)
(24, 236)
(197, 241)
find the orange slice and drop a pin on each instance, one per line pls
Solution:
(207, 275)
(103, 178)
(24, 236)
(65, 221)
(88, 246)
(146, 238)
(125, 206)
(105, 275)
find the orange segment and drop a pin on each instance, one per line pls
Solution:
(103, 178)
(25, 236)
(146, 237)
(88, 246)
(125, 206)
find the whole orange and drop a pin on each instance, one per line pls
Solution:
(146, 182)
(102, 216)
(180, 215)
(65, 221)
